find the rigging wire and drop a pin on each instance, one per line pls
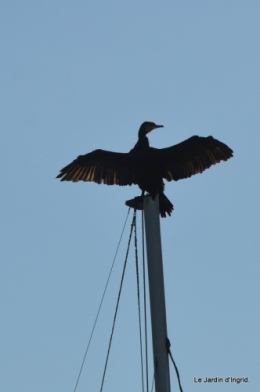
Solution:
(168, 344)
(133, 226)
(118, 299)
(153, 383)
(139, 307)
(101, 302)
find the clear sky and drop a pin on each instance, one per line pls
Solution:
(77, 76)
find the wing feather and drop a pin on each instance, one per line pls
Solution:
(100, 166)
(192, 156)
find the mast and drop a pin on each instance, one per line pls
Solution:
(157, 296)
(156, 288)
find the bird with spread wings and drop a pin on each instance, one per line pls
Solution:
(146, 166)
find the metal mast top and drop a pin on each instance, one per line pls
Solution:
(156, 288)
(157, 296)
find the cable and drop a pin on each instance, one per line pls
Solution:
(153, 383)
(168, 344)
(102, 298)
(117, 304)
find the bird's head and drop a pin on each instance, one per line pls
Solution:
(147, 127)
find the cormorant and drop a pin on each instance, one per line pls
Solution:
(147, 166)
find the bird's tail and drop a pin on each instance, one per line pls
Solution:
(164, 205)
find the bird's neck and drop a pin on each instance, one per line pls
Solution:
(143, 142)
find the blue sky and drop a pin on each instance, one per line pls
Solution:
(76, 76)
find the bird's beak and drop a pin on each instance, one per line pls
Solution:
(151, 126)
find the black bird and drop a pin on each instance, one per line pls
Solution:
(147, 166)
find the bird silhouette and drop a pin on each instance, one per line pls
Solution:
(148, 166)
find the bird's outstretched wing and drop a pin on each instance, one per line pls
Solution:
(192, 156)
(111, 168)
